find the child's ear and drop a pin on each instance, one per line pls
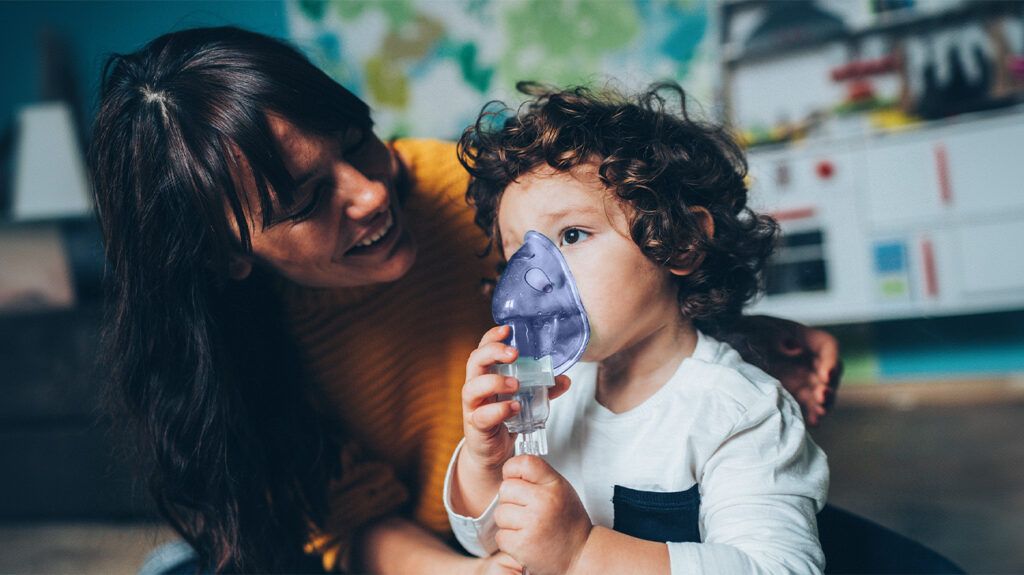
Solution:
(239, 267)
(687, 262)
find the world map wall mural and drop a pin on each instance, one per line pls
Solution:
(426, 67)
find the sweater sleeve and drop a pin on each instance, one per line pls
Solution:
(761, 490)
(363, 492)
(475, 534)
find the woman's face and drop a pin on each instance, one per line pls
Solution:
(345, 227)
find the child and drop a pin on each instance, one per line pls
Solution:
(668, 453)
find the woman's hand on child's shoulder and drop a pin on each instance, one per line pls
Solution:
(541, 521)
(804, 359)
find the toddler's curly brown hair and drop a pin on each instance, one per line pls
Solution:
(655, 159)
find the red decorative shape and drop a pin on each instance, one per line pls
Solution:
(825, 169)
(931, 282)
(795, 214)
(942, 166)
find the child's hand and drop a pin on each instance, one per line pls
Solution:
(541, 520)
(488, 442)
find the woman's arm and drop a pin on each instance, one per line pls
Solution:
(397, 545)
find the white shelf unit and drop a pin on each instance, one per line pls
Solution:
(925, 222)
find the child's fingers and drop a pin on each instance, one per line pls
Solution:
(529, 468)
(511, 517)
(488, 417)
(508, 539)
(562, 383)
(517, 492)
(488, 354)
(496, 333)
(481, 389)
(507, 562)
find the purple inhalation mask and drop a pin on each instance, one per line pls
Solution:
(537, 297)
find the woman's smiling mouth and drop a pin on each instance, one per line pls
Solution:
(390, 221)
(372, 242)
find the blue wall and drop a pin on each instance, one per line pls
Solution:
(990, 344)
(964, 346)
(92, 30)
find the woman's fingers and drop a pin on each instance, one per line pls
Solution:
(824, 347)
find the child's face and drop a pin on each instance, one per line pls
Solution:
(628, 297)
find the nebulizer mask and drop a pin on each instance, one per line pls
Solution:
(537, 297)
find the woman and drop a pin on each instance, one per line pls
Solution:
(292, 301)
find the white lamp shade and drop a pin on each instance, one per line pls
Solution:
(50, 179)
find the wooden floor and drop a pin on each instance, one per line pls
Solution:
(941, 464)
(93, 548)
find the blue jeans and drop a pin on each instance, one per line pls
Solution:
(851, 544)
(174, 558)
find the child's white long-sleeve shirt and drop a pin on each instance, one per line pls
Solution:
(716, 463)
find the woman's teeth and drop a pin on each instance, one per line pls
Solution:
(377, 236)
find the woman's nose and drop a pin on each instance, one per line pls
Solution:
(363, 198)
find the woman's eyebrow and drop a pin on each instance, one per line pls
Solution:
(303, 179)
(310, 171)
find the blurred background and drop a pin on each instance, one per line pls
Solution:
(887, 136)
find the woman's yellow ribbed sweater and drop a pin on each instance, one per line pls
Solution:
(387, 362)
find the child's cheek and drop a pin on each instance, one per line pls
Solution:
(600, 304)
(586, 284)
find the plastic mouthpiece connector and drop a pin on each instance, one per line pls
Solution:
(535, 377)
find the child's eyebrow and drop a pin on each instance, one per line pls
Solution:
(572, 210)
(546, 218)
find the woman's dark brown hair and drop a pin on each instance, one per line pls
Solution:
(653, 157)
(201, 371)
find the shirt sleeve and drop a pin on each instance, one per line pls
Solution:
(363, 492)
(760, 493)
(475, 534)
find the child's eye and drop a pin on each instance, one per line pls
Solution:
(573, 235)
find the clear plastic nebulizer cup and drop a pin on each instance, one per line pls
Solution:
(535, 377)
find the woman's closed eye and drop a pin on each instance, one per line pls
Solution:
(310, 205)
(572, 236)
(352, 141)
